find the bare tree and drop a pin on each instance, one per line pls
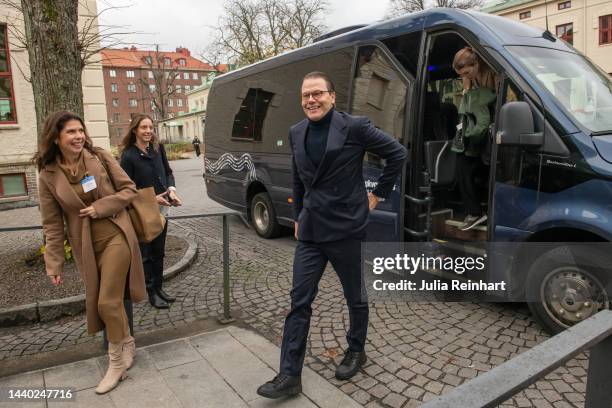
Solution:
(160, 83)
(58, 48)
(399, 7)
(252, 30)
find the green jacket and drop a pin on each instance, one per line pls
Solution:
(475, 119)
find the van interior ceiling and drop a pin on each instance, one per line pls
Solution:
(440, 119)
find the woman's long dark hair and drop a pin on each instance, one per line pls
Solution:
(130, 137)
(48, 149)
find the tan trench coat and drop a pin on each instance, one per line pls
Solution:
(58, 201)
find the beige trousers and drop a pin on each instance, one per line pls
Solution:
(113, 260)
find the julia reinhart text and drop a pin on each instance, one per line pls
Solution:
(438, 285)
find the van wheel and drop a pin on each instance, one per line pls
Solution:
(565, 287)
(263, 216)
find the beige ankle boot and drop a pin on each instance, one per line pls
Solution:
(116, 369)
(128, 352)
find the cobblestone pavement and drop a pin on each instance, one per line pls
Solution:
(416, 350)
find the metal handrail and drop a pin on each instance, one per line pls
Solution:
(502, 382)
(226, 318)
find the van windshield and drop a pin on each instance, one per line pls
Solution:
(582, 88)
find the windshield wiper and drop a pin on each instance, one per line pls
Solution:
(601, 132)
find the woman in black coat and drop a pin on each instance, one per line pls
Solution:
(145, 161)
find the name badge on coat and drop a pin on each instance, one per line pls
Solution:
(88, 183)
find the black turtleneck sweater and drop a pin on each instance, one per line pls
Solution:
(316, 137)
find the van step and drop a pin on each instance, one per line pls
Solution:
(452, 231)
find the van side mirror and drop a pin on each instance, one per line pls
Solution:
(516, 126)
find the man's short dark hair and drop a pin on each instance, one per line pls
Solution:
(319, 74)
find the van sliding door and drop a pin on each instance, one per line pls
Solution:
(380, 92)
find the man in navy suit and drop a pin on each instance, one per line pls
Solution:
(331, 207)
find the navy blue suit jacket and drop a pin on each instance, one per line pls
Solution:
(330, 202)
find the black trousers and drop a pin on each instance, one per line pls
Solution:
(468, 168)
(153, 261)
(309, 263)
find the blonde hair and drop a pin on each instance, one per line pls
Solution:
(467, 57)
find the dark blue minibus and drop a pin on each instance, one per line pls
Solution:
(547, 175)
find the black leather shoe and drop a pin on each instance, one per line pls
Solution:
(162, 294)
(281, 386)
(157, 302)
(351, 363)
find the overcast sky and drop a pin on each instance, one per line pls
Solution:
(173, 23)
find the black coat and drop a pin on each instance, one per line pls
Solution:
(330, 202)
(148, 170)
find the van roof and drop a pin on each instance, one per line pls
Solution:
(491, 30)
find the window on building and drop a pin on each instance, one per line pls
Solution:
(150, 74)
(116, 117)
(170, 89)
(605, 29)
(185, 75)
(182, 62)
(131, 87)
(116, 103)
(179, 103)
(525, 14)
(187, 88)
(148, 60)
(248, 122)
(133, 103)
(119, 132)
(566, 32)
(152, 88)
(112, 73)
(564, 5)
(167, 61)
(129, 74)
(178, 89)
(13, 185)
(113, 87)
(194, 75)
(170, 104)
(7, 96)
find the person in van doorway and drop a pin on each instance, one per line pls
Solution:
(85, 187)
(479, 84)
(196, 145)
(330, 212)
(145, 161)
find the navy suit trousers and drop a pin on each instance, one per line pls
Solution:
(308, 265)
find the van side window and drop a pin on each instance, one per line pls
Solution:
(406, 49)
(379, 93)
(250, 117)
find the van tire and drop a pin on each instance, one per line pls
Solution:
(263, 216)
(567, 287)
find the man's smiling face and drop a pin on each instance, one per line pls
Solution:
(315, 108)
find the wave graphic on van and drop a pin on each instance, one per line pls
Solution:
(237, 164)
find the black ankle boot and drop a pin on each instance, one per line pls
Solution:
(157, 302)
(162, 294)
(281, 386)
(351, 363)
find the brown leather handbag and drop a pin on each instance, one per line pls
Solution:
(144, 212)
(147, 220)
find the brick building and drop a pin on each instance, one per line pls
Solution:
(132, 82)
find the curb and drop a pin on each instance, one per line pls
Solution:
(48, 310)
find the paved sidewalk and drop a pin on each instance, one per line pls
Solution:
(216, 369)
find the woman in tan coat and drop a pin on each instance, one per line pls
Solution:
(85, 187)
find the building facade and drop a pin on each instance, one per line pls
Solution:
(188, 125)
(586, 24)
(141, 81)
(18, 176)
